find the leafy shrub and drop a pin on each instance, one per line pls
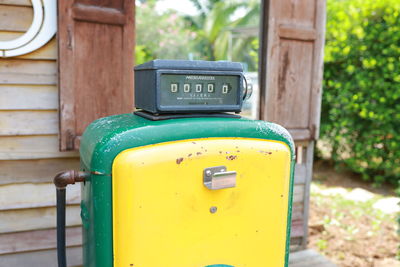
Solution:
(361, 100)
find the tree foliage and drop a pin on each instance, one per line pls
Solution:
(361, 100)
(206, 36)
(163, 36)
(214, 26)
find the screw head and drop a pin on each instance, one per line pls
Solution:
(213, 209)
(208, 173)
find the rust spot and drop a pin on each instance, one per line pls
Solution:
(190, 155)
(220, 152)
(231, 157)
(198, 153)
(283, 72)
(237, 150)
(281, 195)
(193, 142)
(178, 161)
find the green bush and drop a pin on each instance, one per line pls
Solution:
(361, 100)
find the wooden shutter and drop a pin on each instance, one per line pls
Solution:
(96, 49)
(292, 42)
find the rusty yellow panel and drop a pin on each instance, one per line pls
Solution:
(162, 212)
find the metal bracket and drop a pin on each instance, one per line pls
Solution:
(218, 178)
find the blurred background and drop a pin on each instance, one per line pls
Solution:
(354, 204)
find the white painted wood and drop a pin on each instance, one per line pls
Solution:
(30, 33)
(30, 97)
(28, 122)
(16, 2)
(27, 78)
(39, 240)
(297, 211)
(32, 147)
(309, 258)
(299, 173)
(43, 28)
(48, 51)
(44, 258)
(16, 71)
(298, 193)
(34, 219)
(309, 169)
(296, 229)
(6, 35)
(15, 18)
(23, 196)
(34, 171)
(295, 243)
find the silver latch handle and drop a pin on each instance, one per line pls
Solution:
(219, 178)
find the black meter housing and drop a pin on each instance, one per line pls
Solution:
(189, 86)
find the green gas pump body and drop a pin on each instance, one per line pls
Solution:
(106, 138)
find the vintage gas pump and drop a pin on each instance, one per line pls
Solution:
(184, 181)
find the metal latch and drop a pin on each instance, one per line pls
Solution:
(218, 178)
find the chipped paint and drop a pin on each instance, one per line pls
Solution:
(231, 157)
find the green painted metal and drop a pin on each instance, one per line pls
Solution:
(105, 138)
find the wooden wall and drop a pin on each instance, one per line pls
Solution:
(302, 181)
(291, 64)
(29, 151)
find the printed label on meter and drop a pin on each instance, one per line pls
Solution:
(180, 90)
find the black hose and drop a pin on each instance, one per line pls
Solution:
(61, 254)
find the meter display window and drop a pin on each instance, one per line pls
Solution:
(182, 90)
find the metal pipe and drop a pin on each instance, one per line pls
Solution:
(61, 180)
(61, 251)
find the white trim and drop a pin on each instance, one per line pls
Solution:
(44, 26)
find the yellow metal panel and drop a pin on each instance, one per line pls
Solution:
(161, 209)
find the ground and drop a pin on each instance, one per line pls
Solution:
(351, 222)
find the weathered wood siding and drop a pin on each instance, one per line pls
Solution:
(29, 154)
(291, 53)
